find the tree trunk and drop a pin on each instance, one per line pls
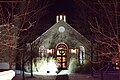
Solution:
(31, 61)
(101, 74)
(92, 74)
(119, 59)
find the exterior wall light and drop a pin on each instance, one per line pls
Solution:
(50, 51)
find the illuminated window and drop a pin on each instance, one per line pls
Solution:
(59, 59)
(58, 53)
(82, 55)
(63, 59)
(61, 55)
(42, 51)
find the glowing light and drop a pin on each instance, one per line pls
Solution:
(49, 51)
(58, 52)
(117, 66)
(45, 67)
(7, 75)
(74, 51)
(63, 59)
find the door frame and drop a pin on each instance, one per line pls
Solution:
(62, 47)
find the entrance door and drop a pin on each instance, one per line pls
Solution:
(62, 55)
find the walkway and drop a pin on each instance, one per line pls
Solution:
(107, 76)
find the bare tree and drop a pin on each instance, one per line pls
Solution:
(107, 33)
(102, 17)
(16, 19)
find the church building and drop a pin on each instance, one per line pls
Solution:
(63, 43)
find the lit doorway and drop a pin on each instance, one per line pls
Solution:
(62, 50)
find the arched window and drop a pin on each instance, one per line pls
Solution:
(62, 50)
(42, 51)
(82, 55)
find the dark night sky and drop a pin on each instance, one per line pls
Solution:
(62, 7)
(78, 13)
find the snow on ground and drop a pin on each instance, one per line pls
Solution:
(63, 75)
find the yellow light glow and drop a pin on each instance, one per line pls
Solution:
(46, 67)
(49, 51)
(58, 53)
(74, 51)
(64, 59)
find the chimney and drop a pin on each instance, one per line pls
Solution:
(60, 17)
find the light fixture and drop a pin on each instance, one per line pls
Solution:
(49, 51)
(74, 51)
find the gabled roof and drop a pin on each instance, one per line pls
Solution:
(53, 34)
